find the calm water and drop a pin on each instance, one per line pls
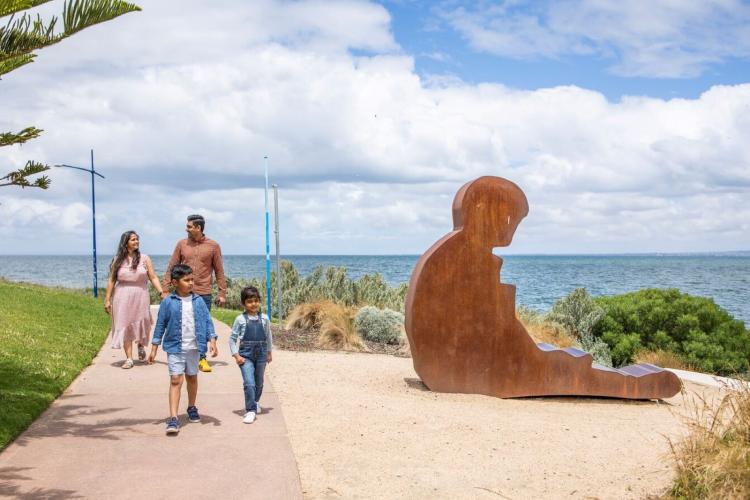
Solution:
(540, 280)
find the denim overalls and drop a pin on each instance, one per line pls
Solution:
(254, 348)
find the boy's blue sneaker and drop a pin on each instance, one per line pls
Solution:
(173, 425)
(193, 414)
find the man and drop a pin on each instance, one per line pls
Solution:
(203, 255)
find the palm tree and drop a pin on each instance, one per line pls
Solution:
(23, 35)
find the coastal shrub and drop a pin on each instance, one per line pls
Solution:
(331, 283)
(713, 461)
(543, 330)
(380, 325)
(333, 322)
(578, 313)
(701, 333)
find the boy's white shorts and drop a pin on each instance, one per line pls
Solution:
(183, 362)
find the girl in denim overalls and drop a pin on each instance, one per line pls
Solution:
(250, 344)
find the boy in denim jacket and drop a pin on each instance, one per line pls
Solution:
(185, 327)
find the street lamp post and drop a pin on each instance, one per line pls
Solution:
(93, 213)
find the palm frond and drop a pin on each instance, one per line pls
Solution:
(8, 7)
(80, 14)
(20, 177)
(25, 34)
(14, 62)
(8, 138)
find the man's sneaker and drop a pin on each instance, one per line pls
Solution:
(249, 417)
(173, 425)
(203, 365)
(258, 409)
(193, 414)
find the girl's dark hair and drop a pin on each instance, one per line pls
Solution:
(122, 253)
(179, 271)
(249, 292)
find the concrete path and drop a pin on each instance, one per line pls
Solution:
(104, 438)
(709, 380)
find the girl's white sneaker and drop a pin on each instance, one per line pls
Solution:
(249, 417)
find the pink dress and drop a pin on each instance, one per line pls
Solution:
(131, 314)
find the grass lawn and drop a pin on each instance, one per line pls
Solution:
(226, 316)
(47, 336)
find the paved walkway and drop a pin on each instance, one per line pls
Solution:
(104, 438)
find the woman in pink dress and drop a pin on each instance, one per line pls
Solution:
(128, 280)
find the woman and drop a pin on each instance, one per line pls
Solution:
(131, 315)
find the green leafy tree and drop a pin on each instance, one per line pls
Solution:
(21, 37)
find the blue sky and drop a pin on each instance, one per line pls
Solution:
(625, 123)
(424, 29)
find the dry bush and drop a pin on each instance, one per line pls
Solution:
(713, 461)
(542, 330)
(335, 324)
(664, 359)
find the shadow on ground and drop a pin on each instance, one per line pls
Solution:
(11, 486)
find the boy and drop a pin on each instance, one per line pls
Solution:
(253, 331)
(186, 327)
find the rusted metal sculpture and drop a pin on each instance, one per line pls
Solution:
(461, 321)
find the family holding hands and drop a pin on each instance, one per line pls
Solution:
(184, 327)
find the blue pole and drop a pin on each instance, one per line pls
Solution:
(93, 224)
(268, 245)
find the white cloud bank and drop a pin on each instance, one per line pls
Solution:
(368, 156)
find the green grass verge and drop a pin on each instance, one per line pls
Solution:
(226, 316)
(47, 336)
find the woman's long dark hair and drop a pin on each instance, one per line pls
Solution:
(122, 254)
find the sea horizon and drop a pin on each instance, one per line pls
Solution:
(540, 279)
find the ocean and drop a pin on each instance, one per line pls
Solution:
(540, 279)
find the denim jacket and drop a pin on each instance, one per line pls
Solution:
(169, 324)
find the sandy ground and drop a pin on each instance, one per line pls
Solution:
(363, 426)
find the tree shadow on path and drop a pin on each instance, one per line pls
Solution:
(10, 478)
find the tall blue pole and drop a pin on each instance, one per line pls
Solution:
(268, 245)
(93, 224)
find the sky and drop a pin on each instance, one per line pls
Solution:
(626, 124)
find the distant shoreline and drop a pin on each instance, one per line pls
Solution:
(731, 253)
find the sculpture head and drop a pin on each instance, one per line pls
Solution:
(489, 209)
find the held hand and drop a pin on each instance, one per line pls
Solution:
(240, 360)
(270, 356)
(164, 294)
(221, 301)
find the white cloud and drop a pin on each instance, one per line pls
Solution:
(663, 38)
(368, 155)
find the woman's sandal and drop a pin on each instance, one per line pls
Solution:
(141, 353)
(127, 364)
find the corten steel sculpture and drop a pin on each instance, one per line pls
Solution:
(461, 321)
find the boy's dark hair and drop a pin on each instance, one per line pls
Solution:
(249, 292)
(179, 271)
(197, 220)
